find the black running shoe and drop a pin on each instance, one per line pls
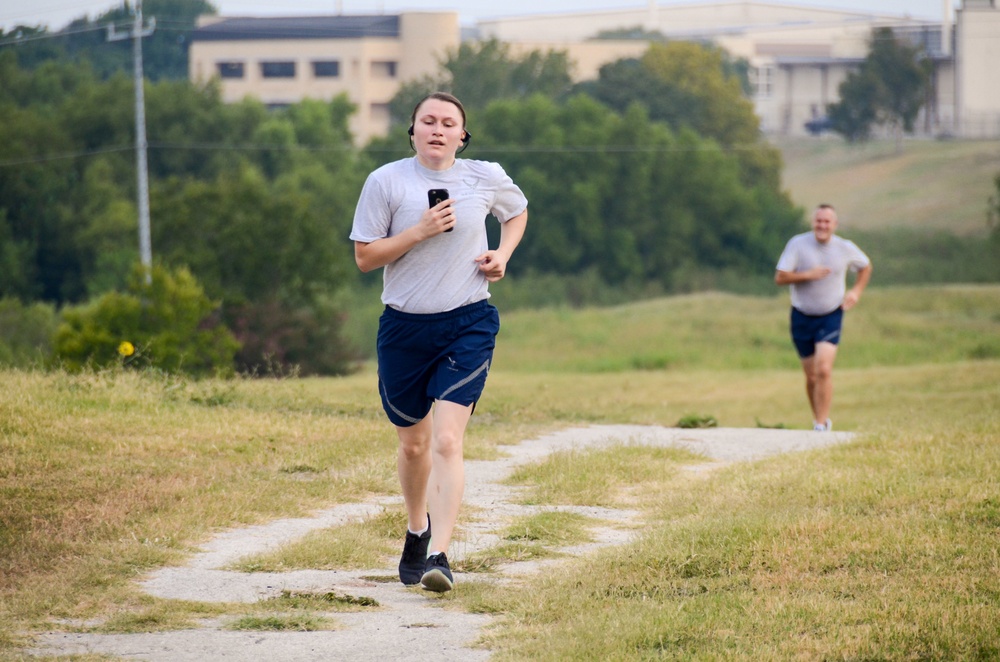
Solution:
(437, 574)
(411, 564)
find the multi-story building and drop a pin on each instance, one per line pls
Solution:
(286, 59)
(977, 80)
(798, 55)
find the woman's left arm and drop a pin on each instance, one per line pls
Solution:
(493, 263)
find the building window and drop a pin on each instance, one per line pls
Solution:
(230, 69)
(762, 81)
(326, 69)
(277, 69)
(383, 69)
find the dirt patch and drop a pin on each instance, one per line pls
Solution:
(411, 624)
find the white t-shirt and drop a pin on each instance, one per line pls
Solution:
(438, 274)
(803, 252)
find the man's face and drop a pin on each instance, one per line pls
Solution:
(824, 224)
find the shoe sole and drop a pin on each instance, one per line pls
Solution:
(436, 581)
(412, 576)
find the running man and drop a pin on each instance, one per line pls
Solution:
(815, 265)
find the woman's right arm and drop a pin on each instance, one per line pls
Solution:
(378, 253)
(381, 252)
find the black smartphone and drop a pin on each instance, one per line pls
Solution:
(436, 196)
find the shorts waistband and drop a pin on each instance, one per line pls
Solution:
(838, 308)
(473, 307)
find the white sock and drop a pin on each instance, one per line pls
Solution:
(433, 554)
(420, 532)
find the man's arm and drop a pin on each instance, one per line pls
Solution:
(860, 283)
(792, 277)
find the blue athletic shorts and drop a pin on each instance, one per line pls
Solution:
(441, 356)
(807, 330)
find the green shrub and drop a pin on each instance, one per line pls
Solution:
(276, 337)
(26, 333)
(169, 324)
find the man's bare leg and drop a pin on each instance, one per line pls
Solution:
(818, 369)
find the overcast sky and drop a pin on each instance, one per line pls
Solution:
(57, 13)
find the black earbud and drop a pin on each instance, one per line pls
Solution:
(465, 139)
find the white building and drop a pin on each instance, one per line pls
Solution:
(977, 63)
(798, 55)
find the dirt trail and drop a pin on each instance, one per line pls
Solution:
(411, 625)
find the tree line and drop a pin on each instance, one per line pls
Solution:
(654, 174)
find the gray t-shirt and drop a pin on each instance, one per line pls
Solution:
(803, 252)
(438, 274)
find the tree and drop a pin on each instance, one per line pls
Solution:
(625, 82)
(888, 90)
(256, 204)
(707, 76)
(630, 199)
(480, 72)
(164, 52)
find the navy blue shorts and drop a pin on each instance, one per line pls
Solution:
(441, 356)
(807, 330)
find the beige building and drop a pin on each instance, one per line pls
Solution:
(798, 55)
(283, 60)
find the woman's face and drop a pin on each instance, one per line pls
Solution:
(437, 132)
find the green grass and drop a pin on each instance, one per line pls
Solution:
(891, 326)
(879, 549)
(357, 545)
(928, 185)
(594, 478)
(531, 538)
(289, 623)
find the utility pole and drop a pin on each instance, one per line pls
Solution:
(142, 170)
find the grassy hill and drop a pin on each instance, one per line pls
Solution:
(715, 331)
(930, 185)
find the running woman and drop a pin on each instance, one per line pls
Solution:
(438, 330)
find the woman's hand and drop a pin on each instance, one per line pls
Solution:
(493, 265)
(439, 218)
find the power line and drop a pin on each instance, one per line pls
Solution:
(495, 149)
(63, 157)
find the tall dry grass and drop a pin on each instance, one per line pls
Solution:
(105, 476)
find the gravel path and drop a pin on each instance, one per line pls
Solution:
(411, 624)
